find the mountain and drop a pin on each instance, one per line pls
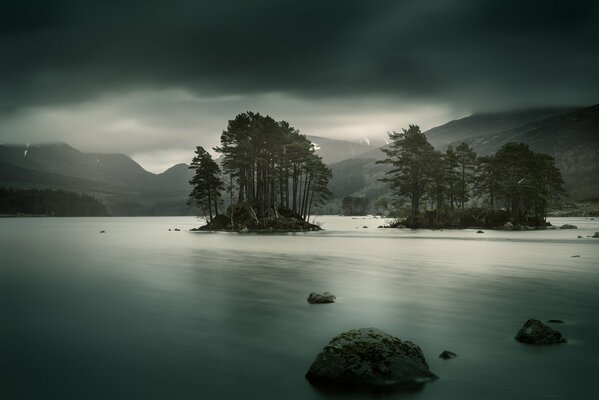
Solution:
(487, 124)
(334, 150)
(570, 135)
(122, 184)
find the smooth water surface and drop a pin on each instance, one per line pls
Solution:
(139, 312)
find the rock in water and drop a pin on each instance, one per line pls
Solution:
(446, 355)
(555, 321)
(480, 232)
(568, 226)
(369, 358)
(596, 235)
(317, 298)
(536, 332)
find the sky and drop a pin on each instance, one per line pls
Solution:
(153, 79)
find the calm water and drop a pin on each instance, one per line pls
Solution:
(143, 313)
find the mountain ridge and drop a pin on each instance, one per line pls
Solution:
(572, 137)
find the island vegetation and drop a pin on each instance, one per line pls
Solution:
(457, 188)
(268, 175)
(48, 202)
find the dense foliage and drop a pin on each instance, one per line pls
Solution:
(57, 203)
(352, 205)
(267, 166)
(516, 182)
(206, 182)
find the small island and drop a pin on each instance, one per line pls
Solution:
(268, 174)
(511, 189)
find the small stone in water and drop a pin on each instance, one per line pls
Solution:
(446, 355)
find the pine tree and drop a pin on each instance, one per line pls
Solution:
(206, 183)
(409, 155)
(466, 162)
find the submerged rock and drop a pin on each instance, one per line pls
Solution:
(536, 332)
(102, 231)
(446, 355)
(568, 226)
(317, 298)
(555, 321)
(369, 358)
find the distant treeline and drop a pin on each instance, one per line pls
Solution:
(57, 203)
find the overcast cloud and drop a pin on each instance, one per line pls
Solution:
(152, 79)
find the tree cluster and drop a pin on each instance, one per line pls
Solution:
(57, 203)
(515, 179)
(266, 166)
(352, 205)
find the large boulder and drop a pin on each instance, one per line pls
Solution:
(369, 358)
(536, 332)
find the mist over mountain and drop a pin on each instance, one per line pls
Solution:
(334, 150)
(570, 135)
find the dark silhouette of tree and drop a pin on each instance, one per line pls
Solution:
(353, 205)
(522, 181)
(526, 182)
(450, 160)
(273, 166)
(206, 183)
(438, 182)
(466, 162)
(409, 155)
(485, 186)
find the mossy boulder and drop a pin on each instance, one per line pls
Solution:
(318, 298)
(446, 355)
(536, 332)
(369, 358)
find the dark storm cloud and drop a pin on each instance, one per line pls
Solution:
(486, 54)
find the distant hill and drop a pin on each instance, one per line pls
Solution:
(487, 124)
(122, 184)
(570, 135)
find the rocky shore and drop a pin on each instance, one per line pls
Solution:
(244, 219)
